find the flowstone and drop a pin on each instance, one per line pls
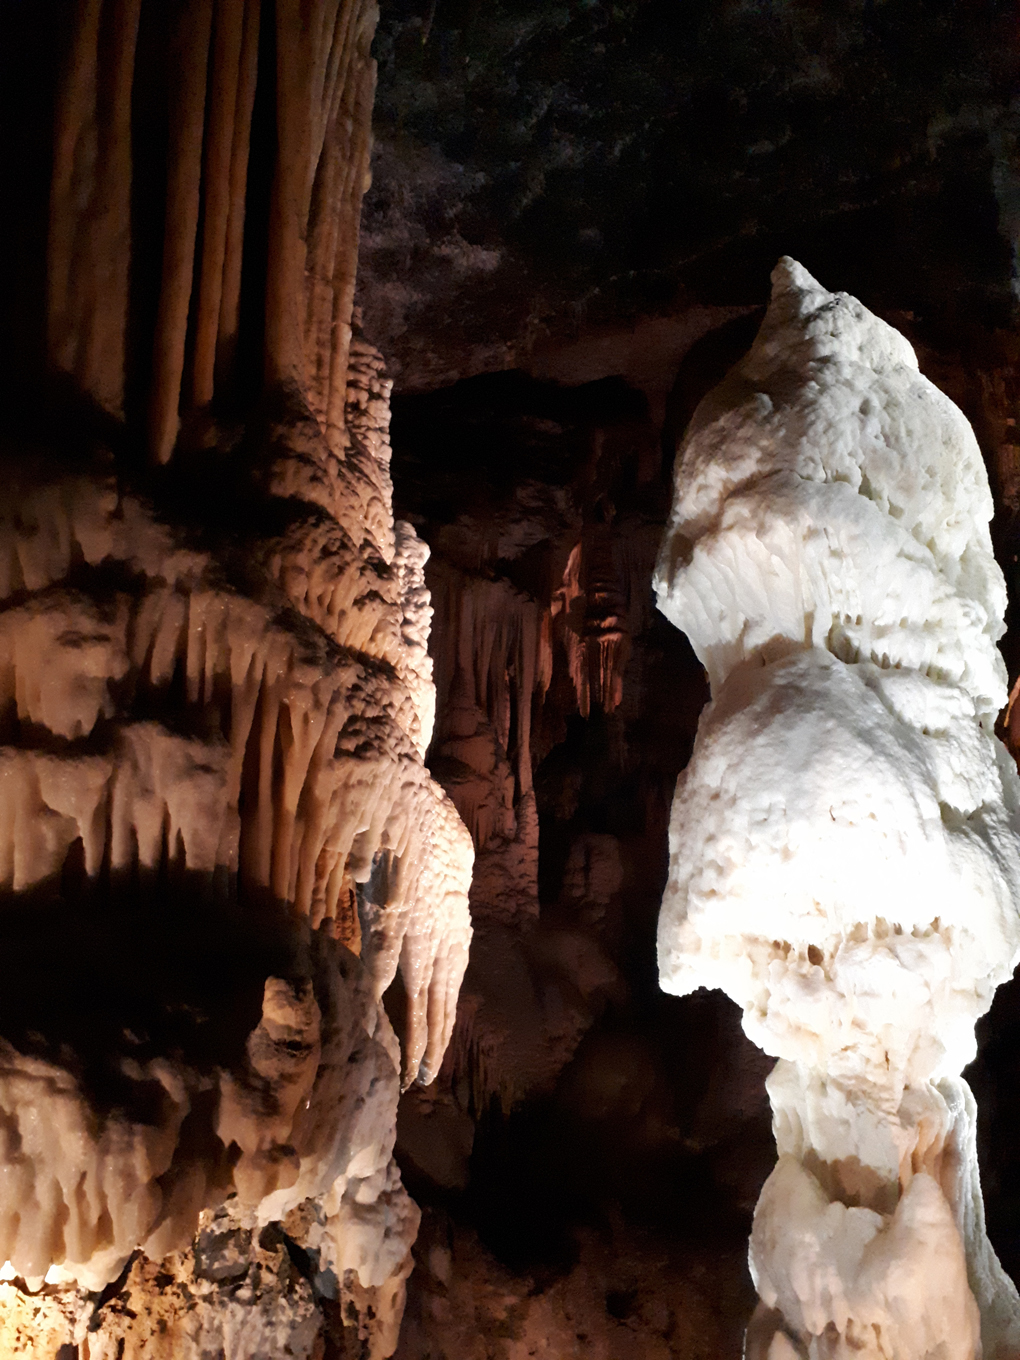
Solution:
(844, 847)
(219, 844)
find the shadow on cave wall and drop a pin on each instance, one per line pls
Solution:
(141, 965)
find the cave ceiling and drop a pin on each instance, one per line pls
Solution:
(542, 169)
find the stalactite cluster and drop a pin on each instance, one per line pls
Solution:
(531, 587)
(215, 698)
(243, 83)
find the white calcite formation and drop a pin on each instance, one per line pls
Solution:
(844, 847)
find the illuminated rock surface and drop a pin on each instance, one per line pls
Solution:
(219, 844)
(178, 352)
(844, 850)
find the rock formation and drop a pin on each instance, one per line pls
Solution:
(219, 845)
(530, 596)
(844, 847)
(587, 1159)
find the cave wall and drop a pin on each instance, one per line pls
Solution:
(549, 170)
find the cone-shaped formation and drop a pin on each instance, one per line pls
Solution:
(844, 848)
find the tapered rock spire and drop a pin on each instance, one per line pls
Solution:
(845, 844)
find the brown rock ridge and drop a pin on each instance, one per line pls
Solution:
(243, 83)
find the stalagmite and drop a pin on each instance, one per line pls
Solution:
(845, 843)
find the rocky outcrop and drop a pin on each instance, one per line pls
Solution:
(219, 845)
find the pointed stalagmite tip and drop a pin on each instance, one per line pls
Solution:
(790, 275)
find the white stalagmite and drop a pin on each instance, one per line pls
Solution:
(845, 843)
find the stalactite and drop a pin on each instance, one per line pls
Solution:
(90, 228)
(592, 607)
(228, 320)
(500, 647)
(323, 81)
(183, 202)
(227, 124)
(211, 771)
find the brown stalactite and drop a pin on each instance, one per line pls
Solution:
(288, 213)
(227, 78)
(233, 246)
(323, 82)
(189, 63)
(319, 81)
(90, 202)
(604, 639)
(592, 610)
(355, 112)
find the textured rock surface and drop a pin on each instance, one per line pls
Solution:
(168, 725)
(632, 1295)
(844, 852)
(547, 169)
(219, 845)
